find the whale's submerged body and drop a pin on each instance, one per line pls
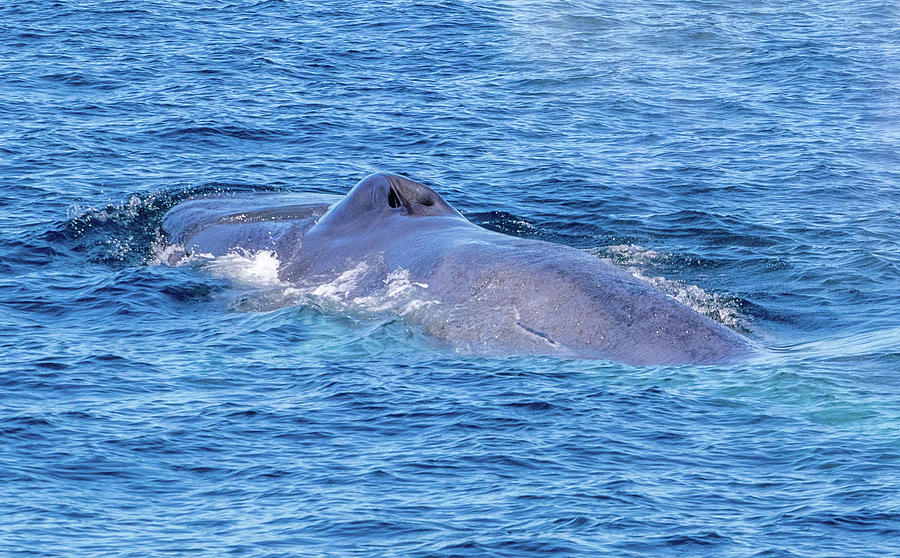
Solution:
(481, 290)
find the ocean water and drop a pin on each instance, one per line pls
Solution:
(743, 157)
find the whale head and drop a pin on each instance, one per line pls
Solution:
(384, 196)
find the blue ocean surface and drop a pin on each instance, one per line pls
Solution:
(742, 157)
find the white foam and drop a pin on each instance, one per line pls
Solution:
(246, 269)
(243, 268)
(633, 254)
(343, 284)
(713, 305)
(171, 255)
(399, 294)
(254, 275)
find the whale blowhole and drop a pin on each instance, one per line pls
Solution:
(399, 197)
(394, 199)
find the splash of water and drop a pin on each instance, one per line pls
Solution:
(636, 259)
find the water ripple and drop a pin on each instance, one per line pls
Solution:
(744, 161)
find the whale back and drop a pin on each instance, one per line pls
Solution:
(217, 225)
(474, 288)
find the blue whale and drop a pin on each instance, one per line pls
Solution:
(480, 291)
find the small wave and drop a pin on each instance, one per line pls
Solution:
(635, 259)
(129, 232)
(75, 79)
(226, 131)
(503, 222)
(878, 345)
(633, 254)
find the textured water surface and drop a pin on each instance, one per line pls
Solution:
(742, 158)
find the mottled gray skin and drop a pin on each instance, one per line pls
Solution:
(495, 293)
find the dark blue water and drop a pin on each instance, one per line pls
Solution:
(742, 157)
